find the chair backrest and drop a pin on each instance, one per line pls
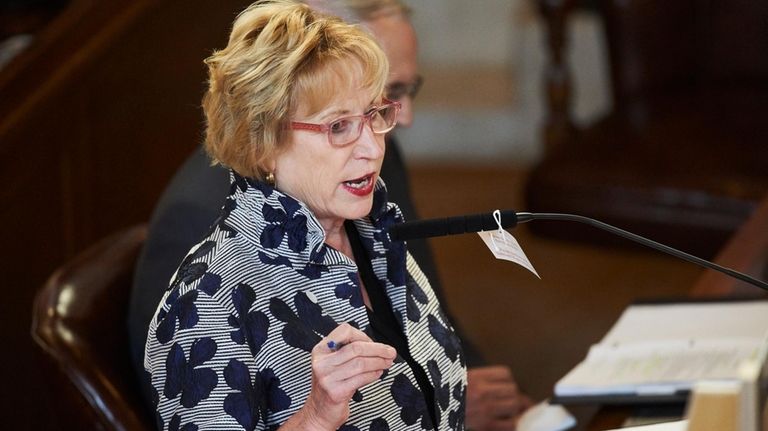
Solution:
(79, 320)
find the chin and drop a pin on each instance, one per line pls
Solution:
(358, 210)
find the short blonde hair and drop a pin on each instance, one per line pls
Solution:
(280, 53)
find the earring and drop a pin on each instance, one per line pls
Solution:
(270, 178)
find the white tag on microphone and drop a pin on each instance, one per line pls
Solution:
(504, 246)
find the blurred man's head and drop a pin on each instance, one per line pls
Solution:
(388, 21)
(398, 39)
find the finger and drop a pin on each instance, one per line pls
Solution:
(526, 402)
(346, 333)
(505, 409)
(483, 393)
(491, 372)
(362, 349)
(499, 391)
(343, 390)
(358, 366)
(345, 362)
(508, 424)
(358, 381)
(341, 335)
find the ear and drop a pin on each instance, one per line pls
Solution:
(270, 165)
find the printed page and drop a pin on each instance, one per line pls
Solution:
(685, 321)
(657, 368)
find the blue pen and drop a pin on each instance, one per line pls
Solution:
(335, 346)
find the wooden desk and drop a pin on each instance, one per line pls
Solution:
(746, 251)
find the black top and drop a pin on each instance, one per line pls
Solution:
(385, 328)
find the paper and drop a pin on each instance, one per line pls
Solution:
(546, 417)
(504, 246)
(656, 369)
(666, 426)
(704, 320)
(663, 349)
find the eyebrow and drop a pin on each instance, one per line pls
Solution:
(323, 117)
(336, 113)
(343, 112)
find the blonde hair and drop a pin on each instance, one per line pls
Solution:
(280, 53)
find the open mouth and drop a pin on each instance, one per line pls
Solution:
(360, 186)
(359, 183)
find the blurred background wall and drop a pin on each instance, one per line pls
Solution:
(483, 64)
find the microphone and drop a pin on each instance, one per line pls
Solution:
(450, 226)
(429, 228)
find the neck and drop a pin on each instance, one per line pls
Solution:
(336, 236)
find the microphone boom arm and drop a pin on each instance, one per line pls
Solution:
(523, 217)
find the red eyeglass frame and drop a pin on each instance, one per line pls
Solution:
(297, 125)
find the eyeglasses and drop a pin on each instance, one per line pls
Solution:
(398, 90)
(346, 130)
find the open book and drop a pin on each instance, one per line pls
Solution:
(656, 352)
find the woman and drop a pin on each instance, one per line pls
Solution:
(270, 322)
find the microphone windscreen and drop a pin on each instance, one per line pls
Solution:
(451, 226)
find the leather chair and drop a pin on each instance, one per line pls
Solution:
(79, 320)
(682, 156)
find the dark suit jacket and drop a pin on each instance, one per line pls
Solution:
(184, 215)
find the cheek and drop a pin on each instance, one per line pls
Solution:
(312, 172)
(320, 176)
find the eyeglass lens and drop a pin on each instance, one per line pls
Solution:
(346, 130)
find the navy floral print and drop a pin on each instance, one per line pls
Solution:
(183, 310)
(230, 345)
(191, 269)
(284, 223)
(446, 338)
(252, 399)
(304, 328)
(415, 298)
(250, 325)
(175, 425)
(442, 392)
(187, 377)
(413, 408)
(350, 290)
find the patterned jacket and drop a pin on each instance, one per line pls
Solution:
(229, 346)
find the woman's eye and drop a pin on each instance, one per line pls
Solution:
(339, 126)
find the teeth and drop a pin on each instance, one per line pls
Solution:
(358, 184)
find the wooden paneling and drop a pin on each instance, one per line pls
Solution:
(94, 119)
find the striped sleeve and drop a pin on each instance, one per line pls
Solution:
(204, 379)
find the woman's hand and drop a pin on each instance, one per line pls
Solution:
(493, 399)
(337, 374)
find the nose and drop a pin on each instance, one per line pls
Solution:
(369, 145)
(405, 116)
